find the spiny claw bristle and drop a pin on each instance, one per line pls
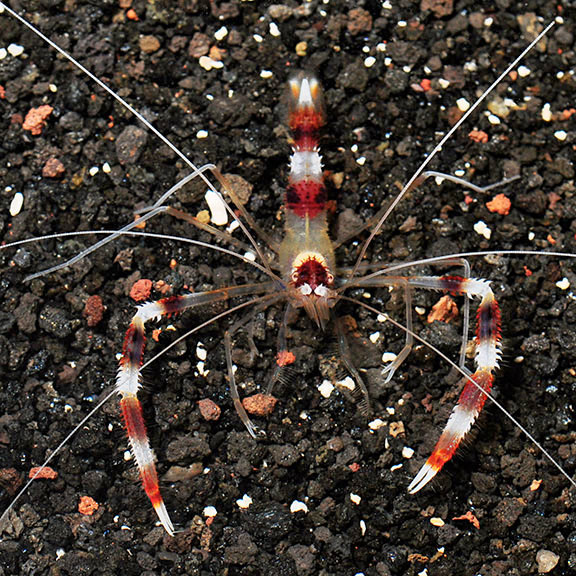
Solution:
(427, 472)
(164, 517)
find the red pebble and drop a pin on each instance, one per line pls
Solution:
(141, 290)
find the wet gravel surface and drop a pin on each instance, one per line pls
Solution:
(59, 341)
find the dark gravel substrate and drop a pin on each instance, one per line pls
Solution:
(54, 365)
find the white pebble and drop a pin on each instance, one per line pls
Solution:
(274, 30)
(250, 256)
(355, 498)
(444, 83)
(209, 63)
(16, 204)
(210, 511)
(546, 112)
(266, 74)
(218, 214)
(221, 33)
(347, 383)
(326, 388)
(361, 160)
(298, 506)
(376, 424)
(201, 352)
(388, 357)
(524, 71)
(258, 38)
(244, 502)
(494, 120)
(127, 455)
(563, 284)
(463, 104)
(407, 452)
(362, 527)
(370, 61)
(3, 53)
(94, 170)
(106, 168)
(15, 50)
(561, 135)
(374, 337)
(482, 228)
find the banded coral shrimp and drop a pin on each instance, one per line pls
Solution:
(237, 536)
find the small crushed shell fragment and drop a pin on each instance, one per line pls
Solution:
(443, 83)
(463, 104)
(298, 506)
(369, 62)
(93, 171)
(561, 135)
(355, 499)
(407, 452)
(494, 120)
(396, 467)
(546, 112)
(106, 168)
(326, 388)
(266, 74)
(201, 134)
(374, 337)
(362, 527)
(3, 53)
(563, 284)
(209, 63)
(221, 33)
(259, 404)
(45, 473)
(200, 367)
(396, 429)
(16, 204)
(301, 48)
(244, 502)
(210, 511)
(437, 522)
(361, 160)
(546, 560)
(482, 229)
(391, 410)
(60, 552)
(87, 506)
(376, 424)
(217, 206)
(381, 318)
(500, 204)
(15, 50)
(535, 485)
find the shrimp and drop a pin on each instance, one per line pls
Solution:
(345, 465)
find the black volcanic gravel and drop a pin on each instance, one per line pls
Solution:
(57, 361)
